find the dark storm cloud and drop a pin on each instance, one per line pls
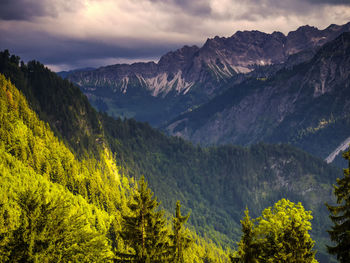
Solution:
(29, 9)
(330, 2)
(78, 33)
(57, 50)
(22, 9)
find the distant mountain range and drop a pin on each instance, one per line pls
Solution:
(307, 106)
(215, 183)
(246, 88)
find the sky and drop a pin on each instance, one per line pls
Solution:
(70, 34)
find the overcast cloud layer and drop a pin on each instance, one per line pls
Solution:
(67, 34)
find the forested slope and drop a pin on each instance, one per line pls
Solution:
(55, 207)
(216, 183)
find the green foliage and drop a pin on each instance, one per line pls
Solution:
(284, 230)
(340, 215)
(57, 102)
(32, 142)
(248, 247)
(204, 179)
(281, 234)
(216, 182)
(50, 231)
(29, 141)
(95, 177)
(180, 238)
(41, 222)
(144, 229)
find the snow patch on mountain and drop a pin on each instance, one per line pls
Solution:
(163, 83)
(124, 86)
(342, 147)
(241, 69)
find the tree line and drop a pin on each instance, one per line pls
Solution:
(84, 205)
(56, 208)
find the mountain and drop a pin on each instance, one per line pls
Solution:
(64, 74)
(56, 204)
(215, 183)
(190, 76)
(306, 105)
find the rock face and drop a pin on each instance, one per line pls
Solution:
(223, 57)
(190, 76)
(307, 105)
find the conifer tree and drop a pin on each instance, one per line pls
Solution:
(247, 247)
(7, 224)
(52, 230)
(144, 229)
(180, 240)
(340, 215)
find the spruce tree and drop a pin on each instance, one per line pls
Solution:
(340, 215)
(50, 229)
(180, 240)
(247, 247)
(144, 229)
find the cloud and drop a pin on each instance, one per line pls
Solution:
(197, 8)
(29, 9)
(9, 10)
(330, 2)
(73, 53)
(74, 32)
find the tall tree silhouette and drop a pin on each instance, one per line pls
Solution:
(340, 215)
(144, 228)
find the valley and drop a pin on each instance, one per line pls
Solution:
(244, 133)
(248, 88)
(214, 183)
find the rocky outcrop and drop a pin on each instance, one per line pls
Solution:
(306, 105)
(218, 59)
(191, 76)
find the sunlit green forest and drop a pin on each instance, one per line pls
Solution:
(72, 188)
(56, 208)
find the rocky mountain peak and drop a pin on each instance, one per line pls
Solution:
(306, 28)
(196, 74)
(248, 34)
(308, 37)
(278, 34)
(303, 105)
(175, 60)
(218, 59)
(331, 68)
(334, 27)
(213, 44)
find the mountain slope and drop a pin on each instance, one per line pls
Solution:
(71, 115)
(35, 164)
(55, 207)
(218, 183)
(306, 105)
(215, 183)
(190, 76)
